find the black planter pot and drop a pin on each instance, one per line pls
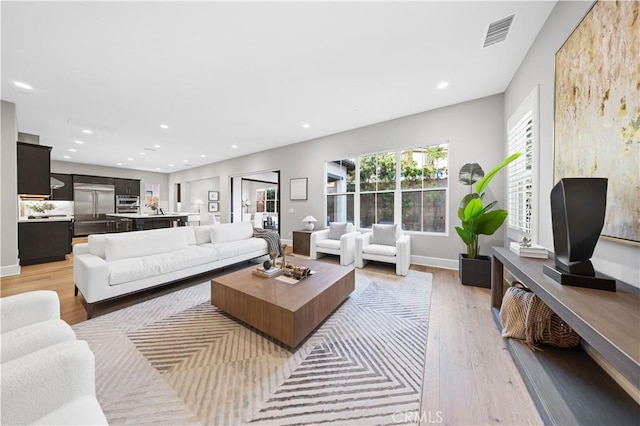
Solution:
(475, 272)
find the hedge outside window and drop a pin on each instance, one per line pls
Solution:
(424, 180)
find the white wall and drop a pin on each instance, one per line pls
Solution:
(616, 259)
(474, 131)
(198, 190)
(9, 264)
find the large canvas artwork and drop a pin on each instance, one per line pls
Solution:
(597, 110)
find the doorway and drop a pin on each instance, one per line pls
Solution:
(256, 199)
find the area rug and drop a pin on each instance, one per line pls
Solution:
(178, 360)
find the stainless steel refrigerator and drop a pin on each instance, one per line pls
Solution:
(92, 202)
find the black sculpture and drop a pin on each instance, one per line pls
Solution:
(577, 215)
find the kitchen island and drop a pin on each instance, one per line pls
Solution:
(119, 222)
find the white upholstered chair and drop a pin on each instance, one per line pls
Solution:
(48, 377)
(385, 243)
(339, 239)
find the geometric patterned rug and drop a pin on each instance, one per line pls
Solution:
(177, 359)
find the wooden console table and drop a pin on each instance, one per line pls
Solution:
(567, 385)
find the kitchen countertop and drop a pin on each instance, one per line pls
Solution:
(147, 216)
(25, 219)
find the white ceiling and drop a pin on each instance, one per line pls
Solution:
(242, 73)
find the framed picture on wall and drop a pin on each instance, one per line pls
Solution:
(213, 195)
(298, 189)
(213, 206)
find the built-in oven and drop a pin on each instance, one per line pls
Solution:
(127, 204)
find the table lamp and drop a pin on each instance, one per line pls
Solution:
(198, 203)
(309, 222)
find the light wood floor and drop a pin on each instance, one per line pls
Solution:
(470, 378)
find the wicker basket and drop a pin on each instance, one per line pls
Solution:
(541, 324)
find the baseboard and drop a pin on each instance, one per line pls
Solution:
(7, 271)
(436, 262)
(286, 241)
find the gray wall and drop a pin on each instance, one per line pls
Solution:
(161, 179)
(616, 259)
(9, 212)
(474, 131)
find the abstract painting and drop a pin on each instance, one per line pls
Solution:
(597, 110)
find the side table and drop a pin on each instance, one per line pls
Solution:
(302, 242)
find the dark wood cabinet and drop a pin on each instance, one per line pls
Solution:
(47, 241)
(64, 193)
(34, 169)
(128, 187)
(302, 242)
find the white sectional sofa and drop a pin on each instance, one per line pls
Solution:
(48, 377)
(113, 265)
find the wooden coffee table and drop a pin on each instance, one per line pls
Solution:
(286, 312)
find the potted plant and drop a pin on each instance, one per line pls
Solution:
(478, 219)
(41, 207)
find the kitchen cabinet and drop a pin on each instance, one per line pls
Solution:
(44, 241)
(128, 187)
(34, 168)
(64, 193)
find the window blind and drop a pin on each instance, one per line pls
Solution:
(521, 137)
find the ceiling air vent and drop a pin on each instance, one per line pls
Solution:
(499, 30)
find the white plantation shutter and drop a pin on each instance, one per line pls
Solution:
(522, 136)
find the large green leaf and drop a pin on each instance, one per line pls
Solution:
(470, 173)
(489, 223)
(464, 203)
(482, 184)
(473, 210)
(464, 235)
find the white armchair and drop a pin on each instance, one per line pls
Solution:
(385, 243)
(48, 377)
(339, 239)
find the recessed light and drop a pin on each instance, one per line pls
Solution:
(185, 161)
(156, 146)
(170, 165)
(164, 126)
(442, 84)
(79, 142)
(72, 150)
(130, 159)
(66, 156)
(202, 155)
(157, 168)
(118, 164)
(142, 153)
(305, 125)
(234, 146)
(22, 85)
(87, 131)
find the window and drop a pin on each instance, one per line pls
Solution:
(522, 136)
(377, 188)
(424, 182)
(267, 200)
(409, 187)
(341, 186)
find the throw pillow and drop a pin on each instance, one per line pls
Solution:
(337, 229)
(384, 235)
